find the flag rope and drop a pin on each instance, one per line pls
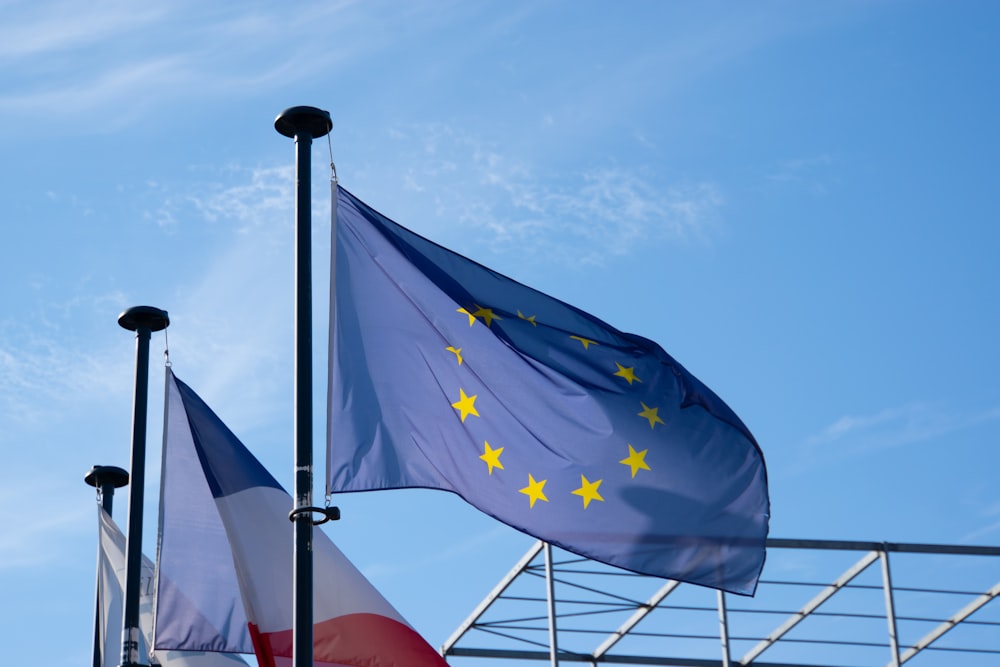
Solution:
(333, 167)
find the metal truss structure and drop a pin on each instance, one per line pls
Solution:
(817, 605)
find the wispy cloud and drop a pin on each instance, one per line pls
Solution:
(231, 314)
(853, 436)
(122, 86)
(252, 199)
(100, 68)
(582, 217)
(55, 28)
(454, 551)
(806, 172)
(232, 317)
(897, 426)
(41, 369)
(984, 505)
(36, 539)
(990, 530)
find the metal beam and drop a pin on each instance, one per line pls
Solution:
(569, 653)
(448, 647)
(610, 659)
(940, 630)
(723, 628)
(890, 610)
(901, 547)
(634, 619)
(810, 606)
(550, 598)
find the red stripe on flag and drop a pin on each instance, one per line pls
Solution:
(354, 640)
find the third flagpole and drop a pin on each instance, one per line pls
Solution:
(303, 124)
(105, 479)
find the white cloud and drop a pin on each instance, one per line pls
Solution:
(127, 89)
(454, 551)
(61, 27)
(66, 370)
(582, 217)
(990, 530)
(900, 426)
(34, 537)
(810, 173)
(106, 67)
(232, 317)
(43, 370)
(852, 424)
(859, 435)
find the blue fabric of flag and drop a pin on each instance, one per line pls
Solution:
(448, 375)
(198, 608)
(228, 465)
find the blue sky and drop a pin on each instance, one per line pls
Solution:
(797, 200)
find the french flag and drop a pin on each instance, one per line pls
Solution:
(226, 559)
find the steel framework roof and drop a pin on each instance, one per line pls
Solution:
(818, 604)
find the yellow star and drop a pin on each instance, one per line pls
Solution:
(487, 315)
(457, 351)
(465, 405)
(492, 456)
(585, 341)
(588, 491)
(472, 318)
(534, 490)
(529, 319)
(627, 373)
(652, 414)
(636, 460)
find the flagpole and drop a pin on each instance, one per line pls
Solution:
(143, 320)
(303, 124)
(105, 479)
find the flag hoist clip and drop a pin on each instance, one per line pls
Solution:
(329, 514)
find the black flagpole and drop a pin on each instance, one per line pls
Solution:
(143, 320)
(303, 124)
(105, 479)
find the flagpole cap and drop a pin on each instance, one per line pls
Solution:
(298, 120)
(103, 475)
(144, 317)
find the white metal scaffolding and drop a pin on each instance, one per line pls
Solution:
(818, 605)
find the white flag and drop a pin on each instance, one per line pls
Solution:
(111, 586)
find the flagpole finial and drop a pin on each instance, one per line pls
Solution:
(106, 479)
(144, 317)
(295, 120)
(100, 476)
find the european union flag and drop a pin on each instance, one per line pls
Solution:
(447, 375)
